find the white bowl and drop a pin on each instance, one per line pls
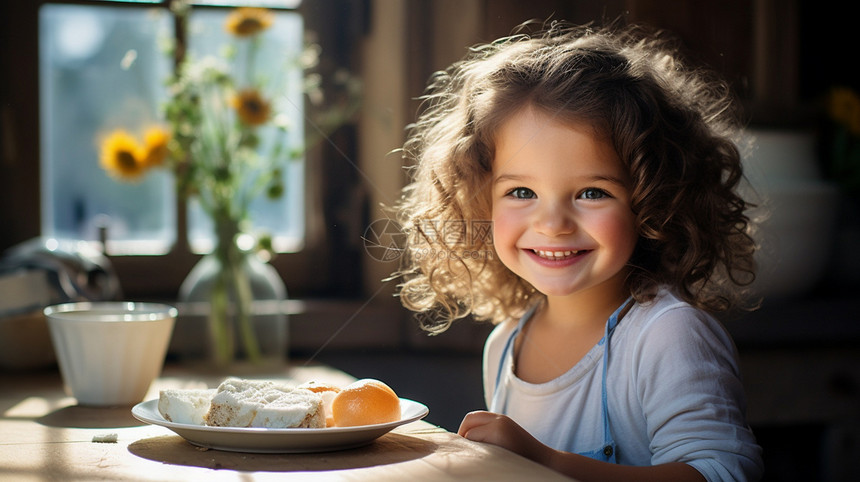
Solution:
(797, 210)
(771, 155)
(795, 236)
(110, 352)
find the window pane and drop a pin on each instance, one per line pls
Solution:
(282, 218)
(101, 68)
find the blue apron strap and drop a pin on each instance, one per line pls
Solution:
(608, 441)
(506, 353)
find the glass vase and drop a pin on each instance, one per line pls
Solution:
(231, 309)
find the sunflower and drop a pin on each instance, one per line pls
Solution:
(844, 107)
(251, 107)
(247, 21)
(122, 156)
(155, 146)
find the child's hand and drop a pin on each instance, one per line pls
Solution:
(500, 430)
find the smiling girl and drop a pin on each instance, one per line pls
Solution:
(609, 172)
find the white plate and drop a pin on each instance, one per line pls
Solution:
(279, 440)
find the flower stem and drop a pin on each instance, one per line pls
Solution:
(219, 321)
(244, 307)
(232, 286)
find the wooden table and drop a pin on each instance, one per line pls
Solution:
(45, 435)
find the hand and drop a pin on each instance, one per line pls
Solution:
(500, 430)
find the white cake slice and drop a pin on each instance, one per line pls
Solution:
(185, 405)
(264, 403)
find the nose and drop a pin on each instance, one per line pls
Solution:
(554, 218)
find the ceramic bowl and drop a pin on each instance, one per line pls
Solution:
(796, 214)
(795, 236)
(110, 352)
(773, 155)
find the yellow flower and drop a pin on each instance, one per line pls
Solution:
(251, 107)
(155, 146)
(122, 156)
(844, 108)
(246, 21)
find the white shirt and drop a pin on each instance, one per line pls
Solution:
(673, 386)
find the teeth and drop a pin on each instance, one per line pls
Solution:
(555, 254)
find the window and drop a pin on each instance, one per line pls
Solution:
(332, 206)
(104, 66)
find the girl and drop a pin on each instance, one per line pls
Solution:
(609, 175)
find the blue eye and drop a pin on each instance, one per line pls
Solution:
(593, 193)
(521, 193)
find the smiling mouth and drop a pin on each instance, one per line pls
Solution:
(556, 255)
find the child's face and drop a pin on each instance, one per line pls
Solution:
(561, 207)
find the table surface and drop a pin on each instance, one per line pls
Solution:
(45, 435)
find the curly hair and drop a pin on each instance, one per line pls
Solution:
(672, 126)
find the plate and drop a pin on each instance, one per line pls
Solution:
(279, 440)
